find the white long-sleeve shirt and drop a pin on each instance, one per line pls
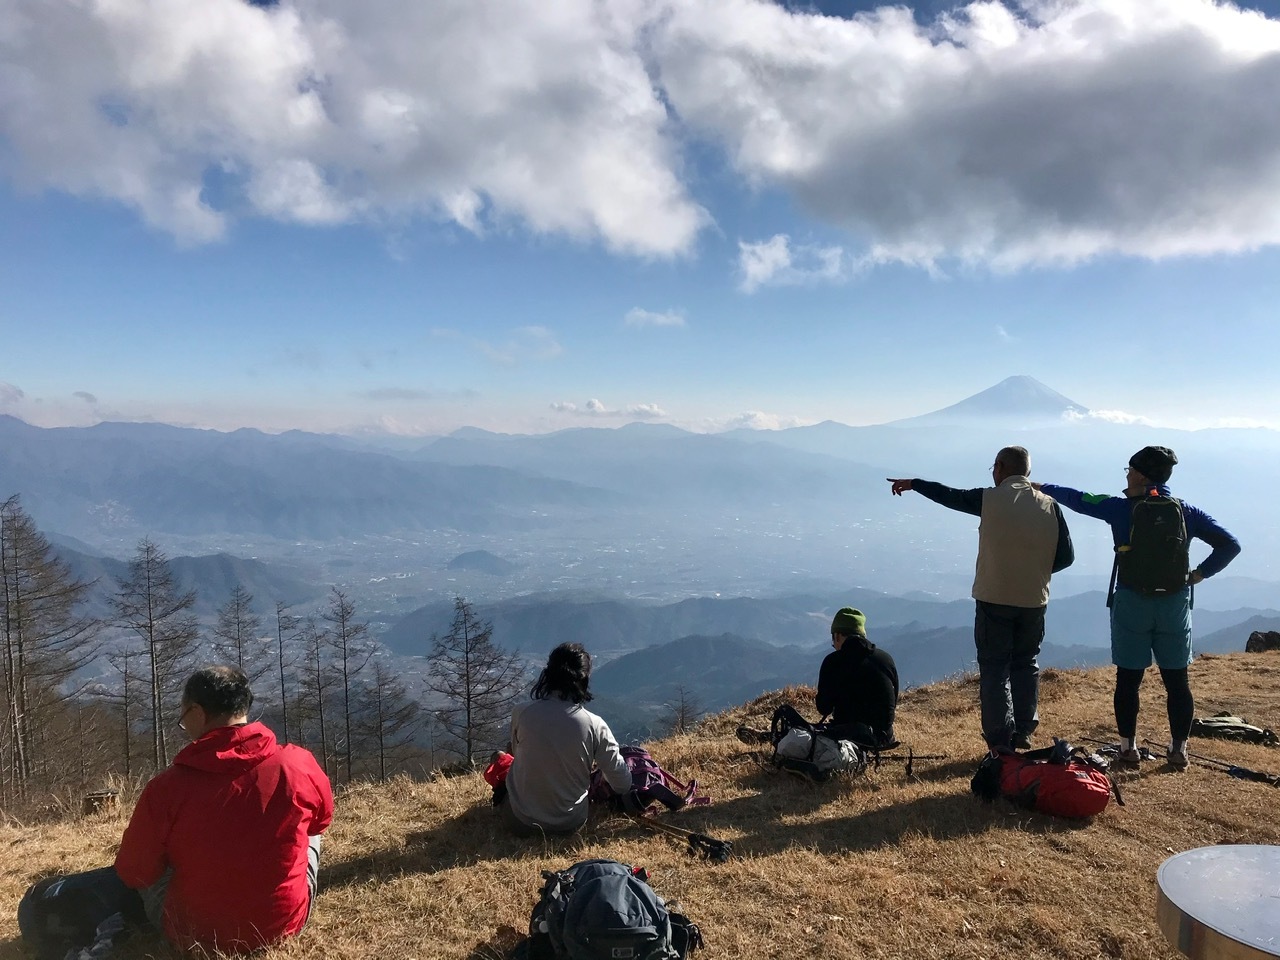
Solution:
(556, 743)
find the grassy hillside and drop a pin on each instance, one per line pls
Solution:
(876, 866)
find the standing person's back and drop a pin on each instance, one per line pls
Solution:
(224, 844)
(555, 742)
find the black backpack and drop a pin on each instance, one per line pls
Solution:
(80, 911)
(605, 910)
(1156, 560)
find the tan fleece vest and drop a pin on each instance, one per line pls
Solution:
(1017, 539)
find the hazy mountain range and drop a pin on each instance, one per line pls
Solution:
(671, 555)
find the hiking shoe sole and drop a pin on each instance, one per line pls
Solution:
(1129, 758)
(1178, 761)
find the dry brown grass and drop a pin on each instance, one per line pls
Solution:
(874, 866)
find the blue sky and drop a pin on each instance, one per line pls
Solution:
(395, 217)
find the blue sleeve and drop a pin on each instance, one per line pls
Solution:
(1203, 527)
(966, 501)
(1065, 554)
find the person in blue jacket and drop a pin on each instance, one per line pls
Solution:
(1144, 626)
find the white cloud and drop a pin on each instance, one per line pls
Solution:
(759, 420)
(776, 262)
(1108, 416)
(638, 317)
(1041, 132)
(320, 111)
(1004, 335)
(1048, 132)
(595, 408)
(86, 396)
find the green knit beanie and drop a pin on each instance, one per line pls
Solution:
(849, 622)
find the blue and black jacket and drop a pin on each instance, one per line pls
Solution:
(1118, 513)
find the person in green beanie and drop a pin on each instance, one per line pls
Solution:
(857, 684)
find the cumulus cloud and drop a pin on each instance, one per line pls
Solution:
(759, 420)
(1001, 134)
(595, 408)
(776, 262)
(637, 317)
(324, 111)
(1048, 131)
(87, 397)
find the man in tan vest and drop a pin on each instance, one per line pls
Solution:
(1022, 539)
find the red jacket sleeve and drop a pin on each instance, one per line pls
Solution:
(324, 813)
(142, 858)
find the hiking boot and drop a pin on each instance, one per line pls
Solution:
(1129, 758)
(1022, 741)
(1178, 759)
(753, 736)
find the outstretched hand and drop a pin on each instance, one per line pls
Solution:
(899, 486)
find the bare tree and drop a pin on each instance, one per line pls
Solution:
(388, 717)
(44, 639)
(126, 698)
(478, 680)
(349, 640)
(286, 628)
(682, 711)
(237, 636)
(150, 607)
(316, 682)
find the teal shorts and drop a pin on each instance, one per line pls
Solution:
(1143, 626)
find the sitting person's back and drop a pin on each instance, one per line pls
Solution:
(224, 844)
(555, 742)
(857, 684)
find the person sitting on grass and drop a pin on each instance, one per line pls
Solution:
(857, 685)
(555, 742)
(224, 845)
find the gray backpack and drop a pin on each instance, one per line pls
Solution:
(605, 910)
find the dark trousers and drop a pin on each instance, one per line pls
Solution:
(1008, 641)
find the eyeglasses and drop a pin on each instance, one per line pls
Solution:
(183, 716)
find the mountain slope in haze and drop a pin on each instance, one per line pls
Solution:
(213, 578)
(154, 478)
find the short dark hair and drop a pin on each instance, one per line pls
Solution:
(566, 675)
(1016, 460)
(219, 691)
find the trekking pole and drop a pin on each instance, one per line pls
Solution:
(910, 758)
(1232, 770)
(700, 845)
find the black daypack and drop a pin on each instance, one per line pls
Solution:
(1156, 560)
(82, 911)
(605, 910)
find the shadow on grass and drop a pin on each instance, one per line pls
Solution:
(14, 950)
(498, 946)
(475, 835)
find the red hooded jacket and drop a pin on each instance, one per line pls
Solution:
(231, 816)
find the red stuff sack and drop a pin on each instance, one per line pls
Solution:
(1059, 781)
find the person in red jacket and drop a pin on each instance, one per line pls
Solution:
(224, 845)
